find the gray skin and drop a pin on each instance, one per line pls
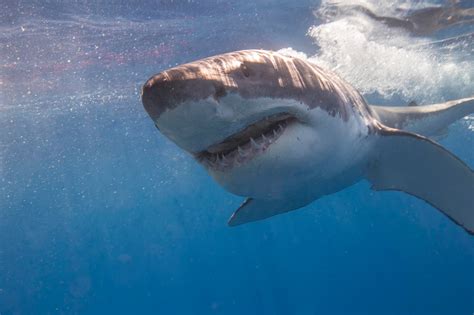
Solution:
(252, 74)
(284, 132)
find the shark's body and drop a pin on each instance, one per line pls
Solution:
(285, 132)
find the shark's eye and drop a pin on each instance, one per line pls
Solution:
(245, 70)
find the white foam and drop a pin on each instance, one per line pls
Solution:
(293, 53)
(390, 62)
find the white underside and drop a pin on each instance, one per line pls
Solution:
(317, 155)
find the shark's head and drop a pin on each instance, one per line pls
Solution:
(247, 117)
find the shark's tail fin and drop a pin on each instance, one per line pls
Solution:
(427, 120)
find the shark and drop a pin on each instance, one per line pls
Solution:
(284, 132)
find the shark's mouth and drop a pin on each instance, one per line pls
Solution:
(241, 147)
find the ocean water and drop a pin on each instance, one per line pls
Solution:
(100, 214)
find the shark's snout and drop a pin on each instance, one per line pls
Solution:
(169, 89)
(156, 95)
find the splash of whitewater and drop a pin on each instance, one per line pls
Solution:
(388, 61)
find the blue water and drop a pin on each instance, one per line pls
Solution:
(100, 214)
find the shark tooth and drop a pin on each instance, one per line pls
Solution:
(241, 151)
(254, 144)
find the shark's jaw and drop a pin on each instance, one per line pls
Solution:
(251, 147)
(241, 147)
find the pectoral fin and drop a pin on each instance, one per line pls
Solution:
(258, 209)
(420, 167)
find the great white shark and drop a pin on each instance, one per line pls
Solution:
(284, 132)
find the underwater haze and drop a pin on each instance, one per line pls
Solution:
(101, 214)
